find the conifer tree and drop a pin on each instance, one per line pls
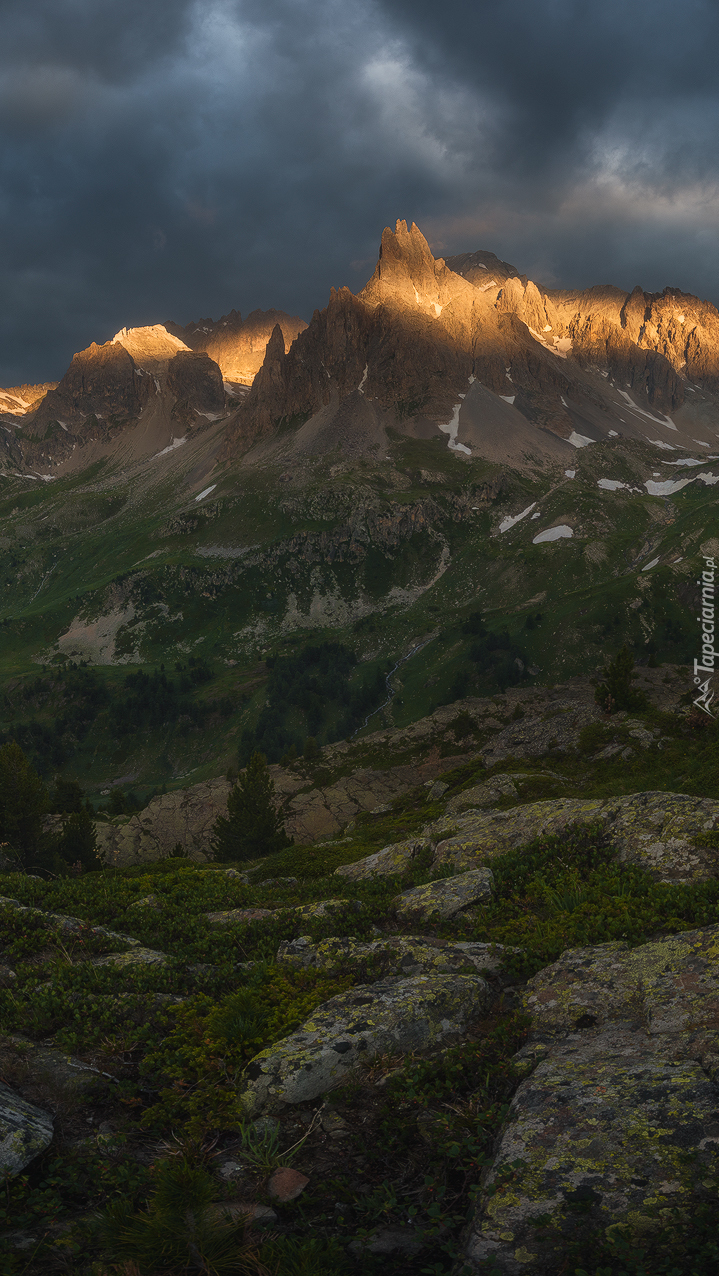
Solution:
(23, 802)
(253, 825)
(617, 691)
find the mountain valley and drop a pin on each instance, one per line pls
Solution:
(451, 441)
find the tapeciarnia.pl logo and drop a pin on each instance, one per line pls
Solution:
(706, 620)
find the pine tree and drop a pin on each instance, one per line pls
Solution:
(617, 691)
(23, 802)
(253, 825)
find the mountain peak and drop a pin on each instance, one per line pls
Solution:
(149, 346)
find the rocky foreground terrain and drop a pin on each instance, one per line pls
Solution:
(468, 1023)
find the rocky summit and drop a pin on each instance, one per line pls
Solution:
(359, 811)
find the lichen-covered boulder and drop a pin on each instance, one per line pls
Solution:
(446, 897)
(666, 833)
(486, 794)
(325, 908)
(135, 957)
(403, 955)
(233, 916)
(608, 1132)
(396, 858)
(25, 1132)
(619, 1119)
(671, 985)
(391, 1016)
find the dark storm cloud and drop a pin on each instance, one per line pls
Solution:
(176, 159)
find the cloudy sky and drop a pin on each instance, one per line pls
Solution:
(177, 158)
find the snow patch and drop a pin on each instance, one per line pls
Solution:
(649, 566)
(437, 309)
(684, 460)
(553, 534)
(570, 473)
(660, 420)
(667, 488)
(709, 480)
(660, 443)
(508, 398)
(613, 485)
(579, 440)
(452, 429)
(701, 443)
(508, 522)
(171, 447)
(361, 385)
(201, 496)
(613, 434)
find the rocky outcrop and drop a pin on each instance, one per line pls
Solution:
(619, 1120)
(394, 1015)
(447, 897)
(185, 818)
(552, 722)
(664, 833)
(402, 955)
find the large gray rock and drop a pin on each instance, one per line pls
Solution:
(404, 955)
(598, 1137)
(661, 832)
(446, 897)
(619, 1118)
(25, 1132)
(393, 1016)
(393, 859)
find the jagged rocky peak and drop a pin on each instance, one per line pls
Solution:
(16, 400)
(150, 347)
(408, 275)
(238, 345)
(483, 269)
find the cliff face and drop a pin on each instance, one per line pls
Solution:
(102, 381)
(422, 327)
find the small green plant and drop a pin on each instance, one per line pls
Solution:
(261, 1142)
(182, 1230)
(239, 1018)
(305, 1256)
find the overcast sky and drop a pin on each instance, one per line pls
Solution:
(170, 159)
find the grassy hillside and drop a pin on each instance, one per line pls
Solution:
(124, 572)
